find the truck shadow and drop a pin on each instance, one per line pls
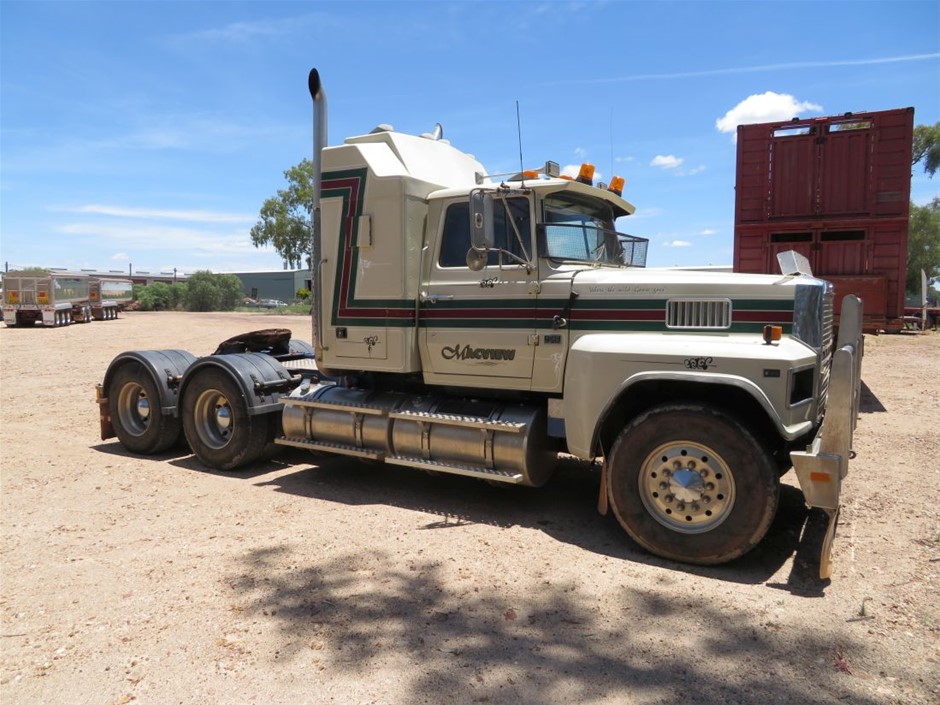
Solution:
(869, 403)
(564, 509)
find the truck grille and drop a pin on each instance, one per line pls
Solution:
(825, 358)
(698, 313)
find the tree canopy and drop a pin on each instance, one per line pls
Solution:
(923, 244)
(284, 221)
(927, 147)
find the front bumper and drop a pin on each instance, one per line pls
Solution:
(821, 468)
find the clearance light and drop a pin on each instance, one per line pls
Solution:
(616, 185)
(586, 175)
(530, 174)
(772, 334)
(565, 177)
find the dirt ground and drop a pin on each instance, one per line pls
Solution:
(313, 579)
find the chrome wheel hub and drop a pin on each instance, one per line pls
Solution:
(686, 487)
(213, 419)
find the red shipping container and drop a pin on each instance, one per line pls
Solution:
(836, 189)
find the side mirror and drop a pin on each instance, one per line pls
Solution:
(476, 259)
(481, 222)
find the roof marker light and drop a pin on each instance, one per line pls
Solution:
(586, 174)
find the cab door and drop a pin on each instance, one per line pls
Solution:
(477, 328)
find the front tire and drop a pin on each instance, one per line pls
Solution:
(692, 484)
(219, 429)
(136, 414)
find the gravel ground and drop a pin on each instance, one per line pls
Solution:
(314, 579)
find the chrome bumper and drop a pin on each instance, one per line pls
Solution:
(825, 462)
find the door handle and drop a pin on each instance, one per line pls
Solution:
(425, 297)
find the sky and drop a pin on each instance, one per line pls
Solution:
(145, 136)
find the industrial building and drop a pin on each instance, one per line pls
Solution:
(277, 284)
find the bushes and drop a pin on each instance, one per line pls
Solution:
(203, 291)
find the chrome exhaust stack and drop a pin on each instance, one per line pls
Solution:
(320, 140)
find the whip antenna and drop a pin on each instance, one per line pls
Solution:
(519, 131)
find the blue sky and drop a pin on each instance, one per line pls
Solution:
(148, 134)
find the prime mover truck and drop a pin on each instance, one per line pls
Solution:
(61, 298)
(481, 324)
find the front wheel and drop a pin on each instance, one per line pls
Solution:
(692, 484)
(218, 427)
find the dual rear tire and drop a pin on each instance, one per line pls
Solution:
(213, 418)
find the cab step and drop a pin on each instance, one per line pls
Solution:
(482, 473)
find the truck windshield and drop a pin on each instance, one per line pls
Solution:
(582, 230)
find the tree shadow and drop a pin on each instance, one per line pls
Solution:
(462, 641)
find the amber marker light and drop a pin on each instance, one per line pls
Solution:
(586, 175)
(530, 174)
(772, 334)
(616, 185)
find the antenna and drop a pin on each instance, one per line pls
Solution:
(519, 130)
(611, 172)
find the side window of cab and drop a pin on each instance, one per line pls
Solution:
(455, 238)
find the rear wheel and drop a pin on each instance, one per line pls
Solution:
(136, 414)
(690, 483)
(219, 429)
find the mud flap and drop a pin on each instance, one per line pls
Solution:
(104, 414)
(602, 497)
(825, 556)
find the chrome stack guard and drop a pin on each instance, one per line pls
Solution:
(825, 462)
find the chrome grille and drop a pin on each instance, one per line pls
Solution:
(825, 357)
(698, 313)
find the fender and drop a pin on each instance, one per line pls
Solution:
(165, 367)
(261, 378)
(602, 367)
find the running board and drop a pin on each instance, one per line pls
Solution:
(339, 448)
(482, 473)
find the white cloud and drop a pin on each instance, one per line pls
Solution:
(765, 107)
(150, 237)
(580, 152)
(677, 243)
(120, 257)
(666, 161)
(162, 214)
(708, 231)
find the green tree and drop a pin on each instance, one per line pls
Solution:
(927, 147)
(206, 291)
(154, 297)
(284, 221)
(302, 294)
(177, 295)
(923, 244)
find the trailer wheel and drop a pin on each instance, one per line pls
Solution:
(218, 427)
(692, 484)
(134, 405)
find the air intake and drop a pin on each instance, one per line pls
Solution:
(712, 314)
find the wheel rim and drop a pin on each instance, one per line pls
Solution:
(134, 408)
(687, 487)
(213, 419)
